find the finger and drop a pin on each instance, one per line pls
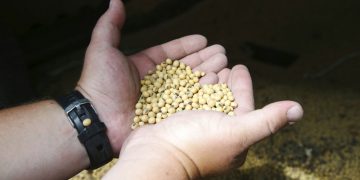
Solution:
(239, 82)
(174, 49)
(224, 75)
(214, 64)
(107, 29)
(197, 58)
(261, 123)
(209, 78)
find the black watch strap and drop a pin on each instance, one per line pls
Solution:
(91, 131)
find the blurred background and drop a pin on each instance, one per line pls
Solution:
(301, 50)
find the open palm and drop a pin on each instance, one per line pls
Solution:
(111, 80)
(200, 143)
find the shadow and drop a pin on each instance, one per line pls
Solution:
(15, 87)
(165, 10)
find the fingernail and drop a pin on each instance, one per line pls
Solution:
(294, 114)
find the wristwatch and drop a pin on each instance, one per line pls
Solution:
(91, 131)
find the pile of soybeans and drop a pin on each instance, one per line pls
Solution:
(173, 87)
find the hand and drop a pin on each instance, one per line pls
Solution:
(200, 143)
(111, 80)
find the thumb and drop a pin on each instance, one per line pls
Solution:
(108, 27)
(259, 124)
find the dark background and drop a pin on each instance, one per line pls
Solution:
(303, 50)
(296, 41)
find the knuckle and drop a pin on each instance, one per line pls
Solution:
(221, 59)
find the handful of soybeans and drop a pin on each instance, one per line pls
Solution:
(173, 87)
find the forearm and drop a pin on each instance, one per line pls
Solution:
(38, 142)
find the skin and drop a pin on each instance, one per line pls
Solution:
(38, 142)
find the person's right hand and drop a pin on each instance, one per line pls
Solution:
(192, 144)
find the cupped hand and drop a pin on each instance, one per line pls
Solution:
(111, 80)
(201, 143)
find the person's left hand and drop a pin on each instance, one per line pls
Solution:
(111, 80)
(198, 143)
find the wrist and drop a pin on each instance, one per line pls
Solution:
(68, 133)
(155, 159)
(95, 104)
(90, 129)
(116, 134)
(64, 143)
(147, 165)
